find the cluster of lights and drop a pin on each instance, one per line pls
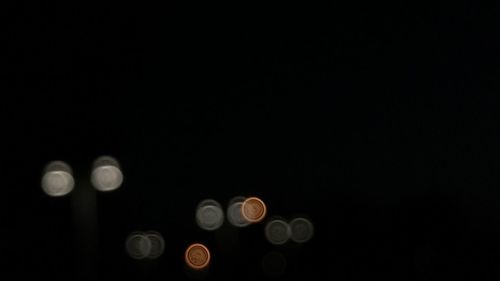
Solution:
(209, 216)
(242, 212)
(106, 175)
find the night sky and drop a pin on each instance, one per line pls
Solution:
(377, 121)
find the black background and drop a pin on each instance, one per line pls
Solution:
(378, 121)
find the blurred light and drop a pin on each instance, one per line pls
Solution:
(157, 244)
(197, 256)
(253, 209)
(106, 174)
(302, 230)
(277, 231)
(148, 245)
(234, 212)
(209, 215)
(138, 245)
(57, 179)
(274, 264)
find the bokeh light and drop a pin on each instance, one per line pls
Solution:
(274, 264)
(302, 230)
(106, 174)
(253, 209)
(149, 245)
(138, 245)
(157, 244)
(197, 256)
(277, 231)
(57, 179)
(234, 212)
(209, 215)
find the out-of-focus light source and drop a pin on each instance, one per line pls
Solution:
(106, 174)
(138, 246)
(57, 179)
(277, 231)
(149, 245)
(197, 256)
(209, 215)
(157, 244)
(302, 230)
(234, 212)
(274, 264)
(253, 209)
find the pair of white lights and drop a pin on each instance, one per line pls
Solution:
(278, 231)
(145, 245)
(58, 180)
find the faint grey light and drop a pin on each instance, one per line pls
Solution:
(106, 174)
(277, 231)
(138, 245)
(157, 244)
(274, 264)
(234, 212)
(209, 215)
(302, 230)
(57, 179)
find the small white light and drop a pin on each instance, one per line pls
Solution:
(209, 215)
(57, 179)
(106, 174)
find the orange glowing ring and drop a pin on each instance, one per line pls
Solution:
(253, 209)
(197, 256)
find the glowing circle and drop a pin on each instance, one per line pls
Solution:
(235, 214)
(302, 230)
(57, 180)
(209, 215)
(197, 256)
(277, 232)
(138, 246)
(253, 209)
(106, 175)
